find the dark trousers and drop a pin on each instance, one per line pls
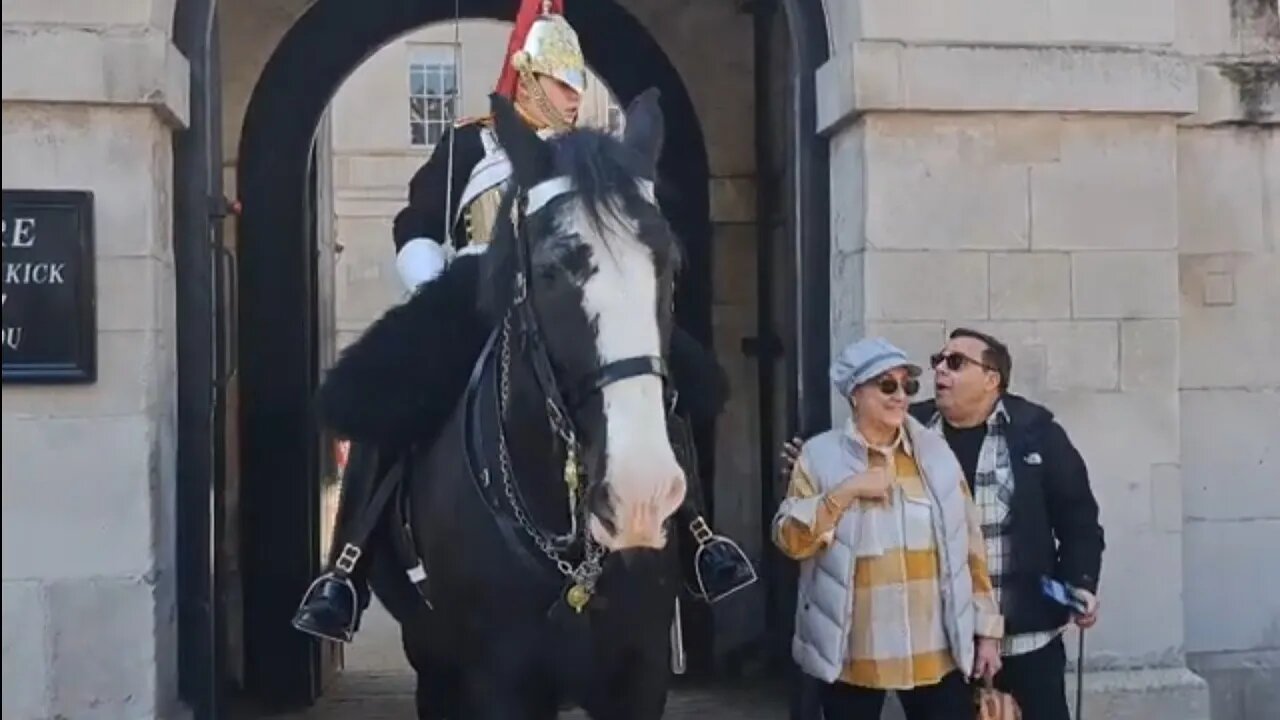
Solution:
(1036, 680)
(950, 699)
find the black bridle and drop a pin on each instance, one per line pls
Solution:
(560, 404)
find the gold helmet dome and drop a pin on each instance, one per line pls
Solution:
(542, 43)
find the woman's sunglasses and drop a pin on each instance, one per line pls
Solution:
(956, 361)
(889, 385)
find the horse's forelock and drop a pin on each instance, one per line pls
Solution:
(608, 178)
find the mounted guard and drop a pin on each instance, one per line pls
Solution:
(439, 236)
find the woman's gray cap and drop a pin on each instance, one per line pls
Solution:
(865, 360)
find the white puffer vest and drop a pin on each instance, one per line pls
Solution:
(824, 609)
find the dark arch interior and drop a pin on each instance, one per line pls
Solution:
(280, 445)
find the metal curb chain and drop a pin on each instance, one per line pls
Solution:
(589, 570)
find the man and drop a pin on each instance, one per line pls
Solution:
(1038, 512)
(1039, 515)
(452, 207)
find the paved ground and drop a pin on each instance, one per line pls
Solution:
(376, 685)
(389, 696)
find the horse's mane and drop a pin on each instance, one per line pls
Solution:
(606, 175)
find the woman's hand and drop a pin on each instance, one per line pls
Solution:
(871, 484)
(790, 455)
(986, 662)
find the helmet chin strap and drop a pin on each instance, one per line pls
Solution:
(550, 115)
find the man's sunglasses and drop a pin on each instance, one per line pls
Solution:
(956, 361)
(889, 385)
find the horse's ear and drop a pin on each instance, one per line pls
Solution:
(530, 157)
(644, 131)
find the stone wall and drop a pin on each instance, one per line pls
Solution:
(1229, 384)
(88, 471)
(1022, 168)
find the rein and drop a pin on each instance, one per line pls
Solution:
(583, 576)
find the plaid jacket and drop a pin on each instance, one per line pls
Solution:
(993, 494)
(897, 636)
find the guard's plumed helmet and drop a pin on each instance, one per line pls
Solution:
(543, 43)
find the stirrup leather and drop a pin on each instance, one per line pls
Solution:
(718, 552)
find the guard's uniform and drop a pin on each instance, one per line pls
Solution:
(438, 224)
(450, 214)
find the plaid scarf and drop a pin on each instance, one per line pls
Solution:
(992, 493)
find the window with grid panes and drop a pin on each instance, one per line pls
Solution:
(433, 84)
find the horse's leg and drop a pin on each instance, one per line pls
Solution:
(434, 696)
(635, 690)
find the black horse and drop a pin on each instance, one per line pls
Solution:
(541, 512)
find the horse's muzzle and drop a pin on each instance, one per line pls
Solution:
(621, 517)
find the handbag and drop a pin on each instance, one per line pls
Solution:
(996, 705)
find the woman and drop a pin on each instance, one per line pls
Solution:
(893, 591)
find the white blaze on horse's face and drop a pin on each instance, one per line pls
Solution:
(644, 481)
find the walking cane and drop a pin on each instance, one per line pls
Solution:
(1080, 676)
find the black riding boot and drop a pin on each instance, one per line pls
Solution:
(719, 567)
(333, 604)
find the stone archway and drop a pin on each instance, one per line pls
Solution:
(277, 444)
(278, 297)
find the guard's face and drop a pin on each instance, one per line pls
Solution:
(563, 98)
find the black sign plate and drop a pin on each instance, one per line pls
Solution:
(50, 313)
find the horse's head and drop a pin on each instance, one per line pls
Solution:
(594, 264)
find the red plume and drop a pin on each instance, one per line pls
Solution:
(529, 11)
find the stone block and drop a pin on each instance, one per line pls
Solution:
(1166, 498)
(849, 190)
(110, 151)
(733, 199)
(1106, 22)
(78, 489)
(1221, 190)
(1233, 474)
(1149, 355)
(1246, 331)
(1051, 79)
(1030, 286)
(931, 184)
(131, 293)
(734, 260)
(1232, 555)
(926, 285)
(1237, 91)
(1114, 188)
(1243, 685)
(1271, 182)
(104, 648)
(27, 675)
(1057, 355)
(1124, 285)
(139, 68)
(388, 173)
(1203, 28)
(877, 75)
(1121, 436)
(1141, 600)
(1027, 139)
(848, 294)
(961, 21)
(131, 366)
(1151, 694)
(148, 13)
(367, 282)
